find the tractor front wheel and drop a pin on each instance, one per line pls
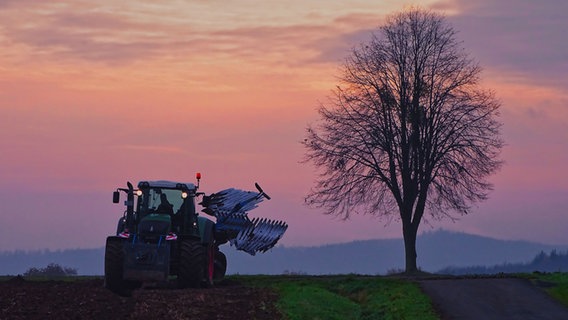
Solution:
(114, 258)
(191, 261)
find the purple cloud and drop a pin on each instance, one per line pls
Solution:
(85, 34)
(519, 36)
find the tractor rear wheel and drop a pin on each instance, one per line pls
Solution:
(114, 258)
(191, 263)
(220, 265)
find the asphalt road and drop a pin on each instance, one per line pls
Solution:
(491, 298)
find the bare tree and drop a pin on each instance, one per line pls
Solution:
(408, 131)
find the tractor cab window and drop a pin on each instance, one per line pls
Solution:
(157, 200)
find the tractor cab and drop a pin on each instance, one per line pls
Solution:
(162, 208)
(165, 207)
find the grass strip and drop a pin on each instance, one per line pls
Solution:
(309, 301)
(385, 298)
(347, 297)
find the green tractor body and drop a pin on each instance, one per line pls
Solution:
(161, 236)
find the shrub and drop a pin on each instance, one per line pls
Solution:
(52, 270)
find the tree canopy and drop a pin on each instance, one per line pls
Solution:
(408, 130)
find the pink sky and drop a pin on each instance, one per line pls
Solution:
(95, 93)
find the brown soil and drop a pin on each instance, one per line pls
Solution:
(87, 299)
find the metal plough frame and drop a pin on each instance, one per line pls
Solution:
(231, 207)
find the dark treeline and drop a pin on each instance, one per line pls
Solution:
(552, 262)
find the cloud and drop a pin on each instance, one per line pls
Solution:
(85, 32)
(15, 3)
(520, 38)
(97, 36)
(524, 38)
(153, 148)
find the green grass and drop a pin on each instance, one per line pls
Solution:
(346, 297)
(306, 301)
(555, 284)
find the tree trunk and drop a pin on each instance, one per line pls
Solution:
(409, 234)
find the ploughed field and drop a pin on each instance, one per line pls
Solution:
(298, 297)
(88, 299)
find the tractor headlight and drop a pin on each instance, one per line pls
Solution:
(184, 195)
(138, 192)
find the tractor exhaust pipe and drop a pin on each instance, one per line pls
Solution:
(130, 206)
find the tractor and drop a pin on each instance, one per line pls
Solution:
(161, 237)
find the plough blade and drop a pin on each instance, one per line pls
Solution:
(232, 222)
(231, 207)
(260, 235)
(231, 201)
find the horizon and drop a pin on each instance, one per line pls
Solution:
(315, 246)
(459, 250)
(96, 94)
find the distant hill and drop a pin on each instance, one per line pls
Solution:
(436, 250)
(440, 249)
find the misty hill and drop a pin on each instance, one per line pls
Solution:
(436, 250)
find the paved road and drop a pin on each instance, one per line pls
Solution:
(491, 298)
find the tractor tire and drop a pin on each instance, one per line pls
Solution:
(220, 265)
(114, 259)
(191, 263)
(209, 266)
